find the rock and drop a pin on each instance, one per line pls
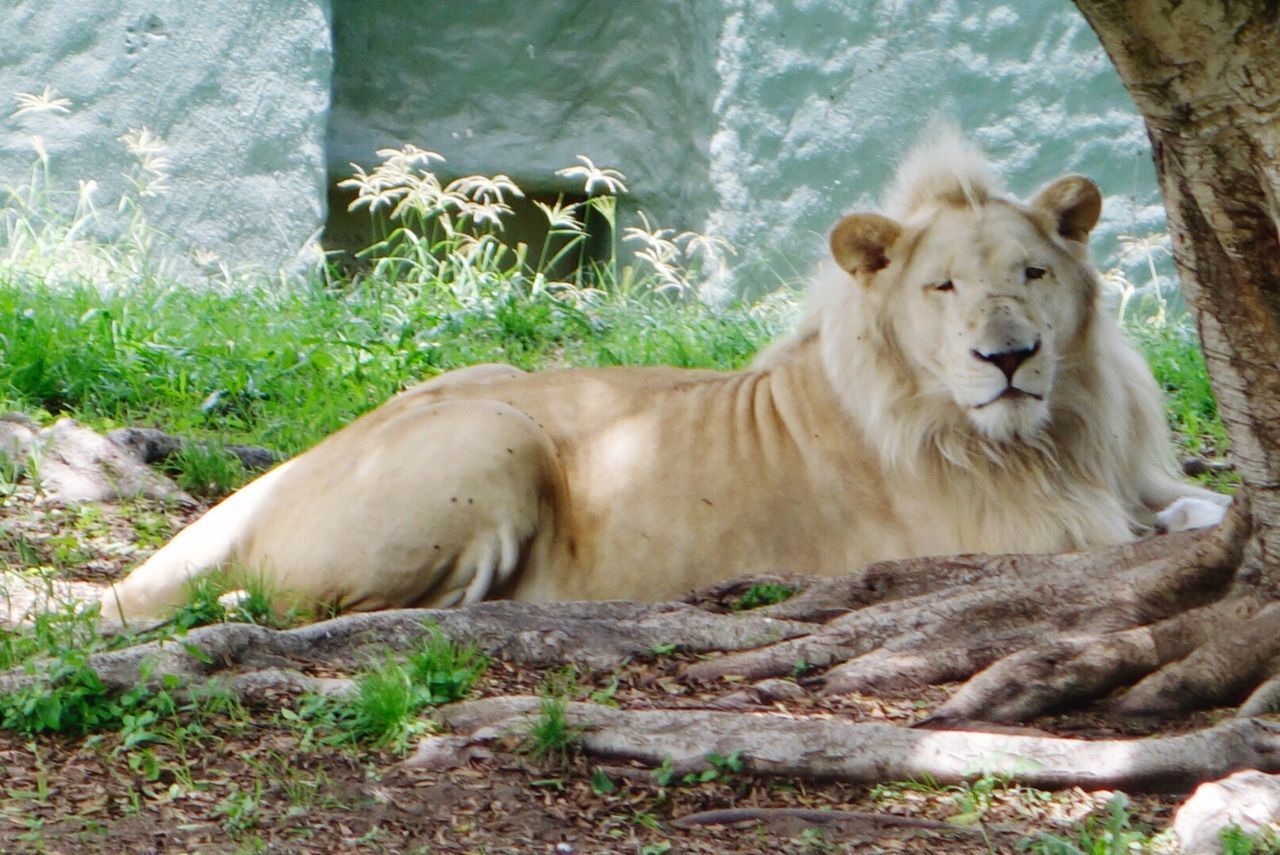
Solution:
(146, 445)
(17, 435)
(1249, 800)
(75, 464)
(149, 445)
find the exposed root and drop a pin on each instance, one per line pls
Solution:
(981, 610)
(596, 635)
(1234, 659)
(852, 825)
(826, 749)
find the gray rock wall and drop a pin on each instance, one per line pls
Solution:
(819, 99)
(238, 91)
(523, 88)
(758, 121)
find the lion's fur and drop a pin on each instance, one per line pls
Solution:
(854, 439)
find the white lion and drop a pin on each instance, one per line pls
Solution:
(958, 387)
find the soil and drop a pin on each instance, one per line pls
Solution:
(251, 780)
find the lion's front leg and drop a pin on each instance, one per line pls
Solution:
(1190, 512)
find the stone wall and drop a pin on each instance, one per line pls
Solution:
(758, 121)
(238, 91)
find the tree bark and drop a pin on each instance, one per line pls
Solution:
(1205, 74)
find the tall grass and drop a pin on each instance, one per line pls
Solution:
(100, 331)
(283, 365)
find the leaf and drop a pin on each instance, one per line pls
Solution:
(601, 783)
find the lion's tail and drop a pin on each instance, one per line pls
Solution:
(203, 548)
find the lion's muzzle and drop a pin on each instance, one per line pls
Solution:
(1008, 361)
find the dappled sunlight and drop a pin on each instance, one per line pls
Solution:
(1031, 760)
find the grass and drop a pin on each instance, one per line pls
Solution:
(114, 341)
(550, 739)
(389, 695)
(762, 594)
(1113, 834)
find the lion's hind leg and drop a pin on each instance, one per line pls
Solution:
(437, 503)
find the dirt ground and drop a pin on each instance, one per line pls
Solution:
(252, 780)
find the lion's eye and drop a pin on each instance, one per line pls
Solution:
(943, 286)
(1033, 273)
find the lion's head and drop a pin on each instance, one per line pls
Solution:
(954, 319)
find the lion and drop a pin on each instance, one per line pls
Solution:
(956, 387)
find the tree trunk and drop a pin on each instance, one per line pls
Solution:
(1205, 75)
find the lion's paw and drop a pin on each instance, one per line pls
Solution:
(1191, 512)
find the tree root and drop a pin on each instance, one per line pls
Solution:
(596, 635)
(863, 753)
(1039, 632)
(854, 827)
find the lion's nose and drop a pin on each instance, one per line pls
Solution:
(1008, 360)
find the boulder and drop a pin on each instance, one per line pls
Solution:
(1249, 800)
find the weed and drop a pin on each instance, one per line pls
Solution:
(384, 702)
(444, 670)
(390, 694)
(240, 810)
(551, 740)
(765, 594)
(1236, 841)
(211, 599)
(718, 767)
(1114, 835)
(202, 604)
(601, 783)
(814, 840)
(206, 469)
(255, 602)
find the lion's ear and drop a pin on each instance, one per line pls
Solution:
(1074, 203)
(860, 242)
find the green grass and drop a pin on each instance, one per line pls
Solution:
(1114, 834)
(390, 694)
(1173, 352)
(551, 740)
(112, 340)
(764, 594)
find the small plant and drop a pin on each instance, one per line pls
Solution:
(1114, 835)
(203, 602)
(67, 696)
(390, 694)
(240, 810)
(764, 594)
(1236, 841)
(443, 670)
(814, 840)
(384, 702)
(551, 740)
(718, 767)
(601, 783)
(211, 599)
(207, 470)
